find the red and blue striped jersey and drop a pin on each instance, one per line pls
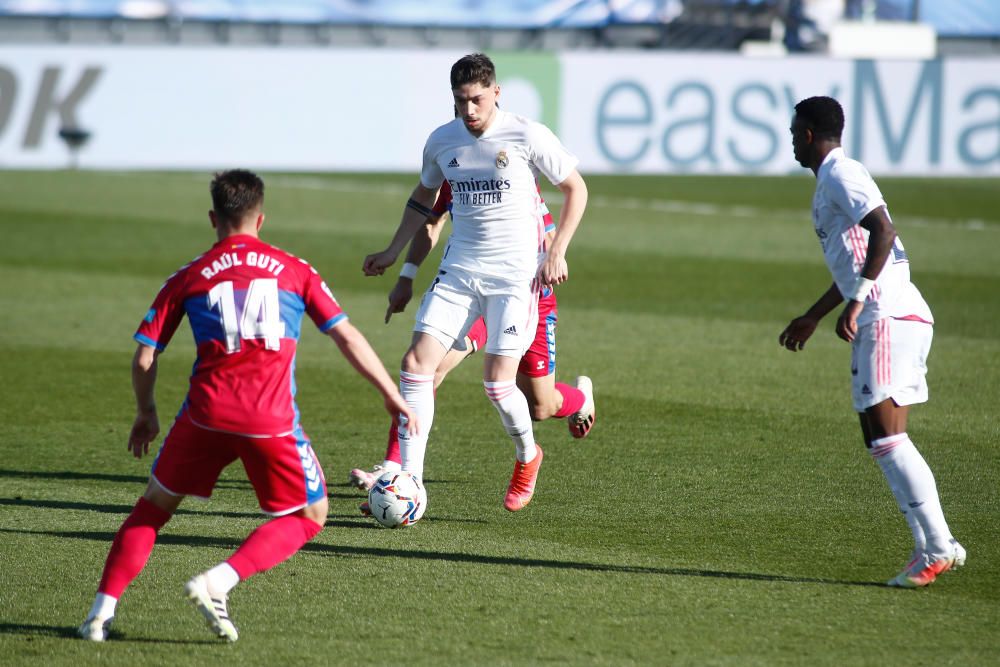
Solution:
(244, 299)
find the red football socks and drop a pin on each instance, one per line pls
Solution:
(573, 400)
(131, 547)
(272, 543)
(392, 448)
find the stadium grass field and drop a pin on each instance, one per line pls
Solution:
(722, 512)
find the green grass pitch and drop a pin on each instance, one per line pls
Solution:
(722, 512)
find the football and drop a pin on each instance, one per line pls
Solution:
(397, 499)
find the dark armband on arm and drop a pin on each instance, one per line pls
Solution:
(419, 208)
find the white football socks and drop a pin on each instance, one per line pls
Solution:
(912, 483)
(222, 578)
(103, 607)
(878, 451)
(418, 392)
(515, 415)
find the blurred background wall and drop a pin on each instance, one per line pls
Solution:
(653, 86)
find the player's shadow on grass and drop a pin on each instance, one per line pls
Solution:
(161, 539)
(359, 521)
(507, 561)
(105, 477)
(353, 490)
(114, 509)
(344, 550)
(335, 520)
(72, 475)
(349, 495)
(64, 632)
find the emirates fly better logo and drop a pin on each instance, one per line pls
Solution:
(478, 191)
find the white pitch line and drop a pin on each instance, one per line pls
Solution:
(339, 185)
(619, 203)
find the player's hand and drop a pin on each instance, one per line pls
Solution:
(376, 263)
(144, 430)
(847, 323)
(400, 295)
(553, 270)
(402, 413)
(797, 332)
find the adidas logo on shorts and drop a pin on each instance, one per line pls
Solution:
(454, 162)
(866, 390)
(511, 330)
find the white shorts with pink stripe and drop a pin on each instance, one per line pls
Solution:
(889, 360)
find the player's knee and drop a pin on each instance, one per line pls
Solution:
(413, 364)
(408, 362)
(317, 512)
(158, 497)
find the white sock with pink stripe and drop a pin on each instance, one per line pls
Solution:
(902, 500)
(912, 483)
(418, 392)
(515, 415)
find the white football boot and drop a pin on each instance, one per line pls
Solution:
(581, 421)
(95, 629)
(212, 606)
(959, 554)
(923, 570)
(364, 479)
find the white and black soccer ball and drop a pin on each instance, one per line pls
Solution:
(397, 499)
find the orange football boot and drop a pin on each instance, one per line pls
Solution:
(522, 483)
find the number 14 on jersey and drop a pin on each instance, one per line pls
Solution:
(260, 317)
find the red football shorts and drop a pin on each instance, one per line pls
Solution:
(477, 334)
(540, 359)
(283, 470)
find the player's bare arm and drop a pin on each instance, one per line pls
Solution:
(882, 234)
(418, 207)
(800, 329)
(423, 242)
(359, 353)
(554, 269)
(146, 426)
(549, 235)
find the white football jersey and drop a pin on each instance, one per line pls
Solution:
(846, 193)
(496, 227)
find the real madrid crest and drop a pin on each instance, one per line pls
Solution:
(502, 160)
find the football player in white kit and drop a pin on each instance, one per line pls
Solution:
(887, 322)
(495, 261)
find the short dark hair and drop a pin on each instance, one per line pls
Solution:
(473, 68)
(823, 115)
(235, 193)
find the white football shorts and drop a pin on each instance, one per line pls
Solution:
(889, 360)
(456, 299)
